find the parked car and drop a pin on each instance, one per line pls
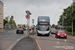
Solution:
(19, 30)
(61, 33)
(24, 28)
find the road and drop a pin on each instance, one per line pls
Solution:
(8, 38)
(52, 43)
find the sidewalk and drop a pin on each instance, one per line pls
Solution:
(1, 31)
(71, 37)
(26, 44)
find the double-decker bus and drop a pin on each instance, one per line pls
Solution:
(43, 23)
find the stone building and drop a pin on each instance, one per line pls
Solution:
(1, 15)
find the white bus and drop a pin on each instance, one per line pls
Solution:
(43, 23)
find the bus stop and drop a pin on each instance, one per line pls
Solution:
(9, 26)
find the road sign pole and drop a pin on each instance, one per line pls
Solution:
(28, 19)
(28, 28)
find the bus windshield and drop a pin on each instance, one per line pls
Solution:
(43, 27)
(44, 19)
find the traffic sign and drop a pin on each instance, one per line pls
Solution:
(32, 20)
(27, 16)
(28, 12)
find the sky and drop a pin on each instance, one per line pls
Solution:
(51, 8)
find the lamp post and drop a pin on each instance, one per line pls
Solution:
(21, 19)
(72, 16)
(60, 25)
(13, 16)
(62, 18)
(72, 20)
(63, 21)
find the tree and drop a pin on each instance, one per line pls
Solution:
(7, 18)
(53, 25)
(56, 26)
(5, 22)
(11, 21)
(68, 15)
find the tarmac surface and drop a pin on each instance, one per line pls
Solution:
(34, 42)
(26, 44)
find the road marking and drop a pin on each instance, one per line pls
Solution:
(20, 38)
(38, 45)
(10, 47)
(15, 43)
(65, 40)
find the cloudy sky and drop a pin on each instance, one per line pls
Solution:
(51, 8)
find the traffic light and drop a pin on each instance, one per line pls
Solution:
(12, 17)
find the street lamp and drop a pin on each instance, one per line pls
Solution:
(13, 16)
(60, 25)
(62, 18)
(72, 16)
(21, 19)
